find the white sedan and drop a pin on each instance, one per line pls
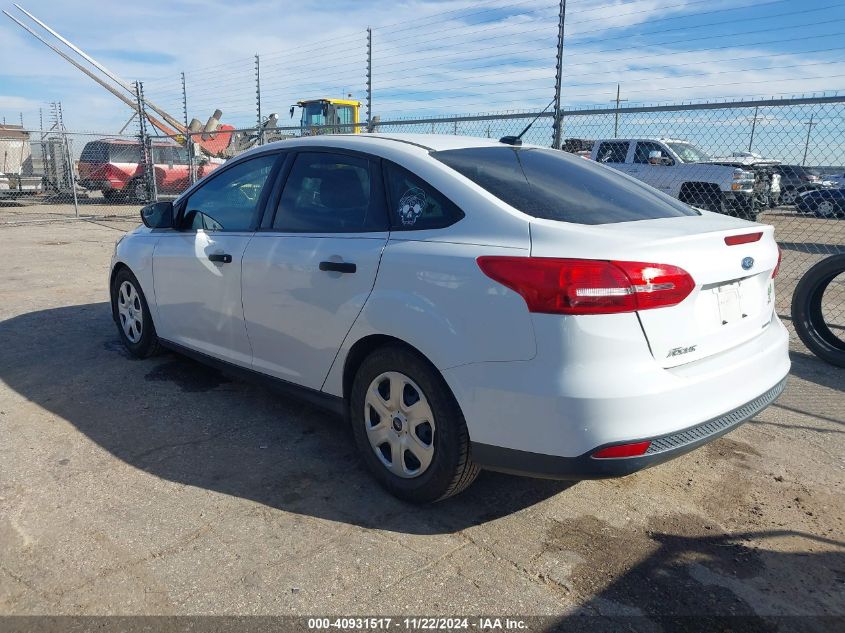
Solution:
(466, 303)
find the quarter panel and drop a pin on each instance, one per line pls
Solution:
(433, 296)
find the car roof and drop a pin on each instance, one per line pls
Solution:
(427, 142)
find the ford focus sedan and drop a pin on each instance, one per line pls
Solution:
(465, 303)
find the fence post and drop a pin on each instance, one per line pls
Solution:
(753, 127)
(259, 128)
(189, 139)
(69, 159)
(558, 77)
(369, 80)
(150, 194)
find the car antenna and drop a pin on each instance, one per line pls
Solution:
(517, 140)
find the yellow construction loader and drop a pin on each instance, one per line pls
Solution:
(328, 116)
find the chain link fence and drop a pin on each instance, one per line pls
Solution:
(781, 162)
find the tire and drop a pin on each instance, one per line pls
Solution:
(113, 195)
(129, 303)
(137, 190)
(788, 196)
(807, 316)
(388, 383)
(826, 209)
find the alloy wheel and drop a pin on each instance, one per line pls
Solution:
(400, 424)
(130, 311)
(826, 209)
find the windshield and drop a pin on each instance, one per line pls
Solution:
(688, 153)
(554, 185)
(312, 114)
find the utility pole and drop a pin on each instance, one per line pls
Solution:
(616, 117)
(369, 80)
(258, 99)
(810, 126)
(753, 127)
(189, 139)
(556, 131)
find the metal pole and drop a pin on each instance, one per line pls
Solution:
(369, 79)
(146, 147)
(558, 122)
(809, 125)
(61, 120)
(258, 99)
(189, 139)
(753, 127)
(616, 114)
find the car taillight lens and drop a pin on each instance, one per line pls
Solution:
(777, 266)
(588, 286)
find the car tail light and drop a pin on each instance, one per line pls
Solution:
(777, 266)
(745, 238)
(623, 450)
(589, 286)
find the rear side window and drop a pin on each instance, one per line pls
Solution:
(415, 205)
(124, 152)
(554, 185)
(612, 152)
(330, 193)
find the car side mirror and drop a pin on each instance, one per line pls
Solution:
(158, 215)
(667, 161)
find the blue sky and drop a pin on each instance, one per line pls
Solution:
(435, 57)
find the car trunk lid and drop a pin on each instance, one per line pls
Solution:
(733, 298)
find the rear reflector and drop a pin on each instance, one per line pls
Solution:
(589, 286)
(623, 450)
(746, 238)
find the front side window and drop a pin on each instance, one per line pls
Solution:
(329, 193)
(612, 152)
(689, 153)
(554, 185)
(416, 205)
(229, 200)
(644, 148)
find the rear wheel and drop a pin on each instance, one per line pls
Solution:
(826, 209)
(409, 428)
(812, 313)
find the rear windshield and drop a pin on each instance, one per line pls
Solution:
(554, 185)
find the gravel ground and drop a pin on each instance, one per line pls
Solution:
(163, 487)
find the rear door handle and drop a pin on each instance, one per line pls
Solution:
(223, 258)
(338, 267)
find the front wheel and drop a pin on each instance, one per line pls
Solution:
(788, 196)
(409, 428)
(826, 340)
(132, 316)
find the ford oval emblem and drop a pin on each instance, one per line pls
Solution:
(747, 263)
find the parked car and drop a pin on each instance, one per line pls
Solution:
(823, 203)
(835, 180)
(113, 167)
(683, 171)
(466, 303)
(795, 179)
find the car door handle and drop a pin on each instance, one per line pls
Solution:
(338, 267)
(223, 258)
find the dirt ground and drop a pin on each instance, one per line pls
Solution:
(163, 487)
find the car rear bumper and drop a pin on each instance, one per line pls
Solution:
(661, 448)
(595, 383)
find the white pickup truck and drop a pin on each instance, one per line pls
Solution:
(681, 170)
